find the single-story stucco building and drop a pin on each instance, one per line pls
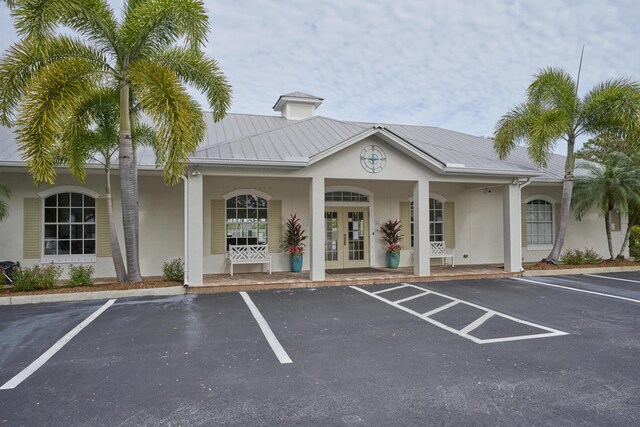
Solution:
(343, 178)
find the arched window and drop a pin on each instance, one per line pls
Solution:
(345, 196)
(436, 220)
(247, 220)
(539, 222)
(69, 224)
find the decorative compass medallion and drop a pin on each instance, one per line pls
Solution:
(373, 158)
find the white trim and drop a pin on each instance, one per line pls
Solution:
(539, 197)
(246, 191)
(370, 204)
(436, 196)
(68, 189)
(68, 259)
(552, 201)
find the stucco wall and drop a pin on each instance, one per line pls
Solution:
(161, 220)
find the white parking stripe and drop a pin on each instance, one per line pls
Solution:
(439, 309)
(282, 355)
(613, 278)
(389, 289)
(578, 290)
(549, 332)
(36, 364)
(479, 321)
(412, 297)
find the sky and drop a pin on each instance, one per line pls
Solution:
(454, 64)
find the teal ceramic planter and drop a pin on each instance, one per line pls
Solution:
(296, 263)
(393, 260)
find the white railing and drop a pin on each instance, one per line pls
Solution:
(249, 254)
(439, 250)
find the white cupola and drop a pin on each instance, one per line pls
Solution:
(297, 105)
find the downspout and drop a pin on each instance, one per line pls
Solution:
(186, 232)
(521, 186)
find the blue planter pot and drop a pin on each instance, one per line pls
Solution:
(393, 260)
(296, 263)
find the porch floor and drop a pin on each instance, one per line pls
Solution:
(214, 283)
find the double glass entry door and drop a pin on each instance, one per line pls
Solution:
(346, 237)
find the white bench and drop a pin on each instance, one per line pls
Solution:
(439, 250)
(249, 254)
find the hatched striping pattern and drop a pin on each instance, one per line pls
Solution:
(466, 331)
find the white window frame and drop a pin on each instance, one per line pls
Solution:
(552, 201)
(245, 192)
(434, 196)
(70, 258)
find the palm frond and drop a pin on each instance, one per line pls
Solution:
(152, 26)
(5, 192)
(38, 19)
(201, 72)
(554, 88)
(176, 116)
(24, 60)
(511, 129)
(612, 106)
(51, 97)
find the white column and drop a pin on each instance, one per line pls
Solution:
(196, 230)
(421, 250)
(316, 246)
(512, 228)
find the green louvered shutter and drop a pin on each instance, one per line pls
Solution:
(405, 220)
(523, 225)
(275, 225)
(449, 225)
(103, 231)
(217, 227)
(32, 228)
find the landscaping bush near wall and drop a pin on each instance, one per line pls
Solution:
(36, 277)
(578, 257)
(80, 275)
(173, 270)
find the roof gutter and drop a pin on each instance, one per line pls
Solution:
(297, 163)
(478, 171)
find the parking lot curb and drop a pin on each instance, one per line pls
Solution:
(574, 271)
(86, 296)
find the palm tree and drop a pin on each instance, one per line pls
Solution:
(4, 207)
(92, 134)
(614, 183)
(150, 53)
(553, 111)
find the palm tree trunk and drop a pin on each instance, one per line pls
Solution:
(127, 187)
(116, 254)
(565, 206)
(625, 242)
(132, 121)
(607, 227)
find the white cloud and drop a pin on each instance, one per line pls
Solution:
(454, 64)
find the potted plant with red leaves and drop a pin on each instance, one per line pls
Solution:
(391, 235)
(292, 243)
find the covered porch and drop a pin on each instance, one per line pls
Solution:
(222, 282)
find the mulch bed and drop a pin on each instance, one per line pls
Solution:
(603, 264)
(145, 284)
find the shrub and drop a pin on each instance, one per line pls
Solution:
(634, 242)
(36, 277)
(173, 270)
(578, 257)
(80, 275)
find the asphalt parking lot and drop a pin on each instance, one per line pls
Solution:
(543, 351)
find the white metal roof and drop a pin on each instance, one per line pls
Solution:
(273, 140)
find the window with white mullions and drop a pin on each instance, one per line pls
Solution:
(436, 221)
(69, 224)
(539, 222)
(247, 220)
